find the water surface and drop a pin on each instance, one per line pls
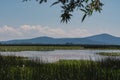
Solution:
(52, 56)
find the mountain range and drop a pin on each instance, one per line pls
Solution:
(101, 39)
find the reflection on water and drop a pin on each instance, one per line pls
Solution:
(52, 56)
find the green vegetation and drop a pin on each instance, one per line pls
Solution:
(18, 68)
(109, 53)
(109, 47)
(54, 47)
(38, 48)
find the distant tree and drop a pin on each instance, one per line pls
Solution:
(68, 7)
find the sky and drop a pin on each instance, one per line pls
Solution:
(21, 20)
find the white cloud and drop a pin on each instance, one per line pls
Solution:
(27, 31)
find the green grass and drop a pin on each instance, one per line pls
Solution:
(55, 47)
(38, 48)
(18, 68)
(109, 53)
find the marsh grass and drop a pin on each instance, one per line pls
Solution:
(18, 68)
(109, 53)
(38, 48)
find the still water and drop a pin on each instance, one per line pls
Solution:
(52, 56)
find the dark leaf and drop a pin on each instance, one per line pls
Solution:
(84, 17)
(55, 3)
(41, 1)
(83, 10)
(65, 17)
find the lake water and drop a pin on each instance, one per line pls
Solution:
(52, 56)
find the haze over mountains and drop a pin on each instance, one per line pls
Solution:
(101, 39)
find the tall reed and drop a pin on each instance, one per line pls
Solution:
(18, 68)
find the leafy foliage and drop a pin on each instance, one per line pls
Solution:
(68, 7)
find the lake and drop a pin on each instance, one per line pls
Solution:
(52, 56)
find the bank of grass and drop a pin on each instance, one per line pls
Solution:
(53, 47)
(38, 48)
(109, 53)
(18, 68)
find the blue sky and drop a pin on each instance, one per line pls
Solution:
(20, 20)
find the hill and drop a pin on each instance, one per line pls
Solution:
(101, 39)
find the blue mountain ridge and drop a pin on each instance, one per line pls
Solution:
(101, 39)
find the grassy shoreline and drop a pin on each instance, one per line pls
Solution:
(109, 53)
(39, 48)
(16, 68)
(51, 47)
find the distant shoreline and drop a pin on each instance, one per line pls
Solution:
(38, 47)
